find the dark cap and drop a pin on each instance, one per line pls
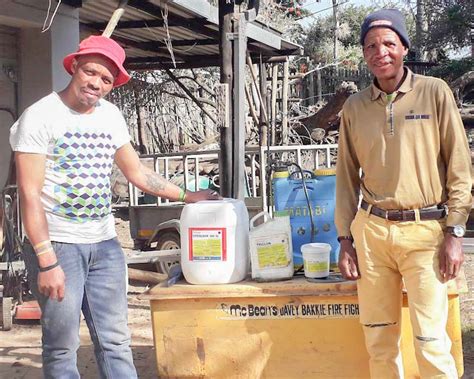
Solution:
(386, 18)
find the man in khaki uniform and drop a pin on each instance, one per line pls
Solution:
(402, 147)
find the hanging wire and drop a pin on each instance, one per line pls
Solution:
(168, 43)
(44, 29)
(322, 10)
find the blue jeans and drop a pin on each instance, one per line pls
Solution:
(96, 284)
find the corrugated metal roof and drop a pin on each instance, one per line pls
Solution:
(192, 29)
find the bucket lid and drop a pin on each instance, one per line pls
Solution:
(325, 171)
(316, 247)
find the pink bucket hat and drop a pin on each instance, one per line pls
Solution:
(103, 46)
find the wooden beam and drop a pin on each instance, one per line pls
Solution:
(136, 24)
(226, 13)
(274, 103)
(284, 106)
(201, 61)
(159, 45)
(206, 58)
(131, 24)
(161, 62)
(165, 65)
(114, 19)
(155, 48)
(195, 24)
(197, 42)
(264, 122)
(255, 82)
(147, 46)
(253, 112)
(180, 43)
(73, 3)
(239, 47)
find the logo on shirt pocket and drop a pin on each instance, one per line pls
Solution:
(413, 116)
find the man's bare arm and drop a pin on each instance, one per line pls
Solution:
(30, 178)
(151, 182)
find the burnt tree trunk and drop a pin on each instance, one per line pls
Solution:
(463, 90)
(327, 118)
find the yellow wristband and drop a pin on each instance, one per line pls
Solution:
(182, 195)
(41, 244)
(45, 252)
(42, 247)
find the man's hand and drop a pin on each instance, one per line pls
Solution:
(451, 257)
(52, 283)
(348, 261)
(193, 197)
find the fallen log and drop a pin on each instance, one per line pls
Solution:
(467, 116)
(327, 117)
(462, 86)
(146, 276)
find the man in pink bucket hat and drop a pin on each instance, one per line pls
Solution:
(65, 146)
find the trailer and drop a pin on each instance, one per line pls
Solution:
(154, 221)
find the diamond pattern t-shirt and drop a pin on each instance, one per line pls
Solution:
(79, 151)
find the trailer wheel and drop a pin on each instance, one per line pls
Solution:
(168, 240)
(6, 313)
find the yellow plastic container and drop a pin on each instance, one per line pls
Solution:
(290, 329)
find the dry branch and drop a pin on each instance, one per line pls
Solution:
(191, 96)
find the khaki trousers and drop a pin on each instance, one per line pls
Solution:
(389, 252)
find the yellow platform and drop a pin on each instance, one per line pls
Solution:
(291, 329)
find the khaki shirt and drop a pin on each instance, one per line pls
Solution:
(413, 152)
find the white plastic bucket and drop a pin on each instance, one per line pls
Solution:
(316, 259)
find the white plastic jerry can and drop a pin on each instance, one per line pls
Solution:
(271, 251)
(214, 241)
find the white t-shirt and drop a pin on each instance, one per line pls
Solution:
(79, 151)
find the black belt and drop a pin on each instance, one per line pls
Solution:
(431, 213)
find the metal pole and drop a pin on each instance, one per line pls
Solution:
(263, 129)
(320, 85)
(284, 105)
(226, 12)
(239, 43)
(274, 102)
(336, 30)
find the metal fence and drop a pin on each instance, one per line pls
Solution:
(190, 166)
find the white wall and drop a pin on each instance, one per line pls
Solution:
(41, 54)
(8, 70)
(35, 57)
